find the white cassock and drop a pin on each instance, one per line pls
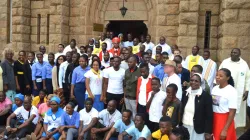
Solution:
(209, 72)
(240, 73)
(68, 49)
(165, 48)
(192, 60)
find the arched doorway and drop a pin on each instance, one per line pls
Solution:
(137, 28)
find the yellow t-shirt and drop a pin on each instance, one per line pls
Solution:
(157, 135)
(136, 49)
(36, 101)
(96, 51)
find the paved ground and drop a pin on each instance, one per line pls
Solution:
(239, 131)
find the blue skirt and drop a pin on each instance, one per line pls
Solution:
(79, 93)
(98, 105)
(49, 86)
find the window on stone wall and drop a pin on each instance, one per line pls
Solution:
(9, 22)
(207, 30)
(38, 28)
(47, 35)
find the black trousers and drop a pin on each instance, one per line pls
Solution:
(117, 97)
(153, 126)
(143, 110)
(22, 132)
(3, 119)
(66, 92)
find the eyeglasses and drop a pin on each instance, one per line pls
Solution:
(53, 104)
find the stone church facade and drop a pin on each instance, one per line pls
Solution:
(218, 25)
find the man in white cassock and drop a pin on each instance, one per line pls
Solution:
(240, 73)
(209, 69)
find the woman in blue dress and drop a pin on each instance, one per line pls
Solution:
(52, 120)
(78, 87)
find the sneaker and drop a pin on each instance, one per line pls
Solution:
(33, 136)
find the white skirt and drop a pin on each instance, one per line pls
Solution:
(240, 117)
(193, 134)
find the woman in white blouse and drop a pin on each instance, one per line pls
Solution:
(93, 84)
(197, 111)
(224, 106)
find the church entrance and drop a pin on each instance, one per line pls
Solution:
(137, 28)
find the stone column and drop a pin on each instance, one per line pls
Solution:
(59, 23)
(21, 25)
(234, 29)
(188, 25)
(3, 23)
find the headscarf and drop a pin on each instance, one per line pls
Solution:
(203, 83)
(93, 41)
(20, 96)
(97, 73)
(56, 99)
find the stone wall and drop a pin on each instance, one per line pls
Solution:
(3, 24)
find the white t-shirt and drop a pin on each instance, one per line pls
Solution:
(86, 117)
(115, 83)
(95, 83)
(143, 89)
(224, 99)
(107, 119)
(24, 114)
(58, 54)
(52, 121)
(173, 79)
(155, 110)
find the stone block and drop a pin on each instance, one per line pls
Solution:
(187, 41)
(167, 30)
(161, 20)
(244, 42)
(16, 3)
(113, 6)
(3, 3)
(74, 12)
(236, 4)
(229, 42)
(4, 10)
(140, 6)
(162, 9)
(84, 2)
(171, 40)
(194, 5)
(188, 18)
(23, 29)
(33, 30)
(172, 9)
(214, 8)
(192, 30)
(17, 20)
(230, 29)
(55, 19)
(244, 29)
(184, 6)
(210, 1)
(64, 10)
(214, 32)
(53, 10)
(229, 15)
(244, 15)
(214, 20)
(55, 2)
(37, 4)
(172, 20)
(182, 31)
(172, 1)
(213, 43)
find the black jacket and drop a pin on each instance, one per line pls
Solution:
(203, 114)
(27, 73)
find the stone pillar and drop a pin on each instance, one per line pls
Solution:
(3, 23)
(59, 23)
(167, 20)
(21, 25)
(234, 29)
(188, 25)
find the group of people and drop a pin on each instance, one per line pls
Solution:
(112, 89)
